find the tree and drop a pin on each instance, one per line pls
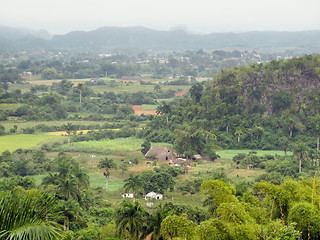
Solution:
(133, 183)
(307, 218)
(216, 192)
(315, 124)
(164, 108)
(69, 128)
(107, 164)
(177, 227)
(196, 92)
(300, 151)
(28, 215)
(284, 144)
(145, 147)
(68, 188)
(238, 133)
(130, 220)
(155, 219)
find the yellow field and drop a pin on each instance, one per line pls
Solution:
(61, 133)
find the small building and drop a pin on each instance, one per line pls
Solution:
(196, 157)
(153, 195)
(160, 153)
(127, 195)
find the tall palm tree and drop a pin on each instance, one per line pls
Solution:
(300, 151)
(133, 183)
(28, 215)
(131, 220)
(107, 164)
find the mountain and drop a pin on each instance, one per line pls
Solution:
(144, 38)
(17, 33)
(140, 37)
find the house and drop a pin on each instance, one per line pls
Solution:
(127, 195)
(153, 195)
(196, 157)
(160, 153)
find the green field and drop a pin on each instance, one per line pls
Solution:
(24, 124)
(148, 107)
(229, 154)
(14, 142)
(119, 146)
(10, 106)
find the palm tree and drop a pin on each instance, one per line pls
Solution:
(51, 179)
(68, 188)
(133, 183)
(82, 178)
(70, 211)
(131, 220)
(28, 215)
(238, 132)
(107, 164)
(300, 151)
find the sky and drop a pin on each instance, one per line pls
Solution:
(200, 16)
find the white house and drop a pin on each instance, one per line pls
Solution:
(127, 195)
(153, 195)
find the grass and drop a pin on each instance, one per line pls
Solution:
(148, 107)
(136, 87)
(115, 146)
(98, 180)
(10, 106)
(14, 142)
(229, 154)
(24, 124)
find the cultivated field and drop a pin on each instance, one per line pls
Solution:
(24, 141)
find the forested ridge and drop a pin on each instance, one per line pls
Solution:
(259, 106)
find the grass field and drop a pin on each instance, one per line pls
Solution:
(229, 154)
(10, 106)
(24, 124)
(118, 146)
(14, 142)
(148, 107)
(136, 87)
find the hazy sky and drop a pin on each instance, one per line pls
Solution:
(202, 16)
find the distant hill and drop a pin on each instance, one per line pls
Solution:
(144, 38)
(17, 33)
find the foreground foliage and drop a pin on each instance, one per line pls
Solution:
(28, 215)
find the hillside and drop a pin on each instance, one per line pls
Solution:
(258, 106)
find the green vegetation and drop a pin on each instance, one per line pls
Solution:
(14, 142)
(247, 146)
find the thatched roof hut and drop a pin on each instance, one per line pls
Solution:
(160, 153)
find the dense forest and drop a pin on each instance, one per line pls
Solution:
(256, 107)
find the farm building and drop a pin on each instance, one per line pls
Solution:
(160, 153)
(153, 195)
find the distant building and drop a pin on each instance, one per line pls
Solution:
(153, 195)
(160, 153)
(127, 195)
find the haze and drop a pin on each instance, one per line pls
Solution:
(202, 16)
